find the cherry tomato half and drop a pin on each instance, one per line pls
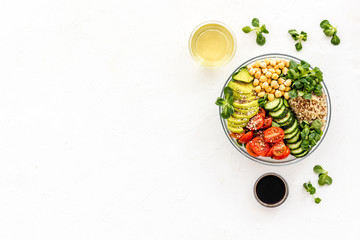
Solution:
(285, 155)
(262, 112)
(246, 137)
(250, 151)
(270, 153)
(279, 149)
(259, 146)
(267, 122)
(274, 134)
(236, 135)
(255, 122)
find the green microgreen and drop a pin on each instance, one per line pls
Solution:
(226, 104)
(260, 30)
(299, 37)
(330, 31)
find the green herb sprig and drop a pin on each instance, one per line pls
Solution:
(305, 80)
(227, 103)
(299, 37)
(263, 100)
(260, 39)
(330, 31)
(312, 190)
(324, 178)
(310, 134)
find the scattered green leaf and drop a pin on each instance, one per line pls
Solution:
(260, 39)
(330, 31)
(311, 190)
(299, 37)
(226, 104)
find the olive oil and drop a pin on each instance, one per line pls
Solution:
(212, 44)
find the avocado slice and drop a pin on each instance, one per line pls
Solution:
(237, 125)
(247, 115)
(245, 110)
(245, 100)
(238, 95)
(235, 130)
(250, 104)
(242, 75)
(241, 87)
(237, 121)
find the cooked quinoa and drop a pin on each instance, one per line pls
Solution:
(309, 110)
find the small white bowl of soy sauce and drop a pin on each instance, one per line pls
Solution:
(271, 190)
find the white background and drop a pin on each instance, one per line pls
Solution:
(108, 128)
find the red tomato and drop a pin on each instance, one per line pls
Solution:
(255, 122)
(236, 135)
(274, 134)
(285, 155)
(246, 137)
(279, 148)
(270, 153)
(250, 151)
(267, 122)
(262, 112)
(259, 146)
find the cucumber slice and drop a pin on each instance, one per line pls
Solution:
(294, 145)
(292, 128)
(301, 154)
(297, 151)
(289, 123)
(291, 135)
(284, 119)
(271, 105)
(279, 106)
(294, 139)
(279, 113)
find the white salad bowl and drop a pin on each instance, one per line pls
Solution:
(267, 160)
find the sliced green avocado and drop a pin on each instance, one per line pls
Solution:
(238, 95)
(237, 125)
(235, 130)
(243, 75)
(241, 88)
(251, 104)
(233, 120)
(246, 99)
(246, 115)
(240, 110)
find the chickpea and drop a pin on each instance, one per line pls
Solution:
(287, 83)
(255, 82)
(277, 93)
(268, 74)
(286, 95)
(287, 89)
(278, 71)
(285, 70)
(281, 65)
(267, 61)
(272, 62)
(263, 64)
(268, 89)
(257, 75)
(263, 78)
(252, 71)
(282, 87)
(287, 64)
(261, 94)
(257, 69)
(271, 70)
(276, 86)
(257, 89)
(275, 76)
(282, 93)
(269, 81)
(271, 97)
(272, 91)
(264, 70)
(276, 67)
(278, 60)
(281, 80)
(257, 64)
(273, 83)
(265, 85)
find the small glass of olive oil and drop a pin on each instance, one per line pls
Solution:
(212, 44)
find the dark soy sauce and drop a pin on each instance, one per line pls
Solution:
(270, 189)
